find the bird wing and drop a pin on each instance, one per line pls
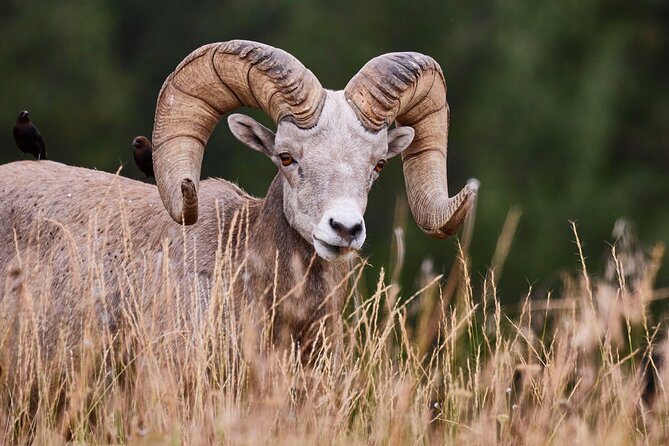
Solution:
(41, 142)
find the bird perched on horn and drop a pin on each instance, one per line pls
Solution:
(142, 151)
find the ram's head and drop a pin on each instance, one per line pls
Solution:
(330, 146)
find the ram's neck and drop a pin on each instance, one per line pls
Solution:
(273, 228)
(306, 284)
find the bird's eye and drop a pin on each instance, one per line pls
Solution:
(379, 166)
(286, 159)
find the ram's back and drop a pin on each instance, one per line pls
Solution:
(75, 237)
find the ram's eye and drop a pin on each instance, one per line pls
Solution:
(286, 159)
(379, 166)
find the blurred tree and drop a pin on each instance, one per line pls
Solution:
(58, 63)
(551, 126)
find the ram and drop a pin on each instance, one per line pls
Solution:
(68, 229)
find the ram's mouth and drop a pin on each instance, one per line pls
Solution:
(331, 252)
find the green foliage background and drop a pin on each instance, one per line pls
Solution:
(558, 107)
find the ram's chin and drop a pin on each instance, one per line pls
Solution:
(332, 253)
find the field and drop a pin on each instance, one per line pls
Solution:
(446, 365)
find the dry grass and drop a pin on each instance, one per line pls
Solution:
(566, 369)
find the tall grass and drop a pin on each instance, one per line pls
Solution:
(445, 365)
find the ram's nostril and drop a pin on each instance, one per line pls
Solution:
(346, 232)
(336, 225)
(355, 230)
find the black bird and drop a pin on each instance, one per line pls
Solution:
(143, 153)
(28, 138)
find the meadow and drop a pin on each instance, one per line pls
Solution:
(448, 364)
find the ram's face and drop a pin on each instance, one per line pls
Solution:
(328, 170)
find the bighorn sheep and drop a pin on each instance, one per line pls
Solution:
(329, 147)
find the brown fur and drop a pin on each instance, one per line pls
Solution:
(56, 232)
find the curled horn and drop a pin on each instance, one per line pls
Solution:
(410, 88)
(211, 81)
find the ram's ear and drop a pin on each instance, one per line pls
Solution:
(399, 139)
(252, 133)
